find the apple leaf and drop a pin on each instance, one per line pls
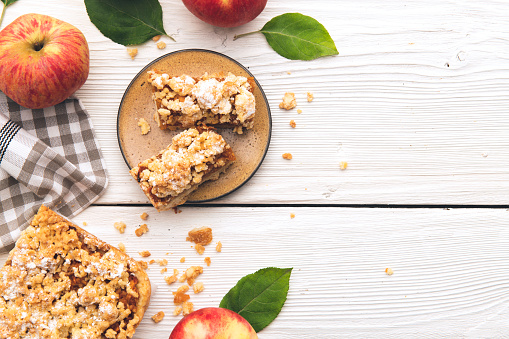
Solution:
(297, 37)
(6, 3)
(127, 22)
(259, 297)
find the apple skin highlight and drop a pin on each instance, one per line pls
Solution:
(43, 60)
(225, 13)
(213, 323)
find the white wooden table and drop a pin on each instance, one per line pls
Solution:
(417, 103)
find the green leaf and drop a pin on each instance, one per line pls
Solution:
(127, 22)
(259, 297)
(298, 37)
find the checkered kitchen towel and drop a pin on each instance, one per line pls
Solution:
(47, 156)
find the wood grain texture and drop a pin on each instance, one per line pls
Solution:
(450, 266)
(416, 102)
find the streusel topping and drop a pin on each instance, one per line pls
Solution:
(60, 284)
(183, 163)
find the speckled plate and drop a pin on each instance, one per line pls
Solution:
(250, 148)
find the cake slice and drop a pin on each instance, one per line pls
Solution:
(184, 102)
(60, 281)
(192, 158)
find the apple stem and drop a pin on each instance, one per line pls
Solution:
(2, 16)
(244, 34)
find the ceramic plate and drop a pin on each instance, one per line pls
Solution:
(250, 148)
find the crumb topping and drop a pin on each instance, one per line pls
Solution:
(185, 102)
(120, 226)
(141, 230)
(287, 156)
(144, 126)
(289, 101)
(59, 283)
(219, 246)
(158, 316)
(200, 235)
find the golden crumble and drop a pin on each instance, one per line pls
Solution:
(287, 156)
(120, 226)
(292, 215)
(199, 249)
(343, 165)
(183, 259)
(121, 246)
(133, 52)
(162, 262)
(310, 96)
(171, 279)
(289, 102)
(183, 277)
(143, 264)
(182, 289)
(187, 307)
(144, 254)
(179, 297)
(144, 126)
(192, 158)
(84, 223)
(292, 123)
(141, 230)
(201, 235)
(158, 316)
(161, 45)
(219, 246)
(178, 310)
(198, 287)
(156, 38)
(389, 271)
(144, 216)
(299, 111)
(184, 101)
(151, 261)
(164, 270)
(207, 261)
(192, 273)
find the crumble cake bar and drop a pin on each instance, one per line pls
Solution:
(184, 102)
(62, 282)
(191, 159)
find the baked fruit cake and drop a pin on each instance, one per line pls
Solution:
(60, 281)
(192, 158)
(184, 102)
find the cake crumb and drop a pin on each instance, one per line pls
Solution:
(144, 216)
(287, 156)
(143, 264)
(144, 126)
(182, 289)
(161, 45)
(288, 73)
(156, 38)
(219, 246)
(187, 307)
(292, 215)
(120, 226)
(158, 316)
(84, 223)
(183, 259)
(389, 271)
(207, 261)
(199, 249)
(151, 262)
(141, 230)
(164, 270)
(310, 96)
(292, 123)
(177, 310)
(343, 165)
(121, 247)
(133, 52)
(145, 254)
(289, 102)
(200, 235)
(198, 287)
(299, 111)
(162, 262)
(171, 279)
(192, 273)
(183, 277)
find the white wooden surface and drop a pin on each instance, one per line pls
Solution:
(417, 103)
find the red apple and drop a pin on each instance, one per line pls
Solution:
(213, 323)
(43, 60)
(226, 13)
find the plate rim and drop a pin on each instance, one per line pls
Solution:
(224, 56)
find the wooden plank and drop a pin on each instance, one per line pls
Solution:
(450, 266)
(416, 102)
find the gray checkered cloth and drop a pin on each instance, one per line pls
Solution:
(47, 156)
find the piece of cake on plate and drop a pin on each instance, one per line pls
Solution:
(60, 281)
(192, 158)
(184, 102)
